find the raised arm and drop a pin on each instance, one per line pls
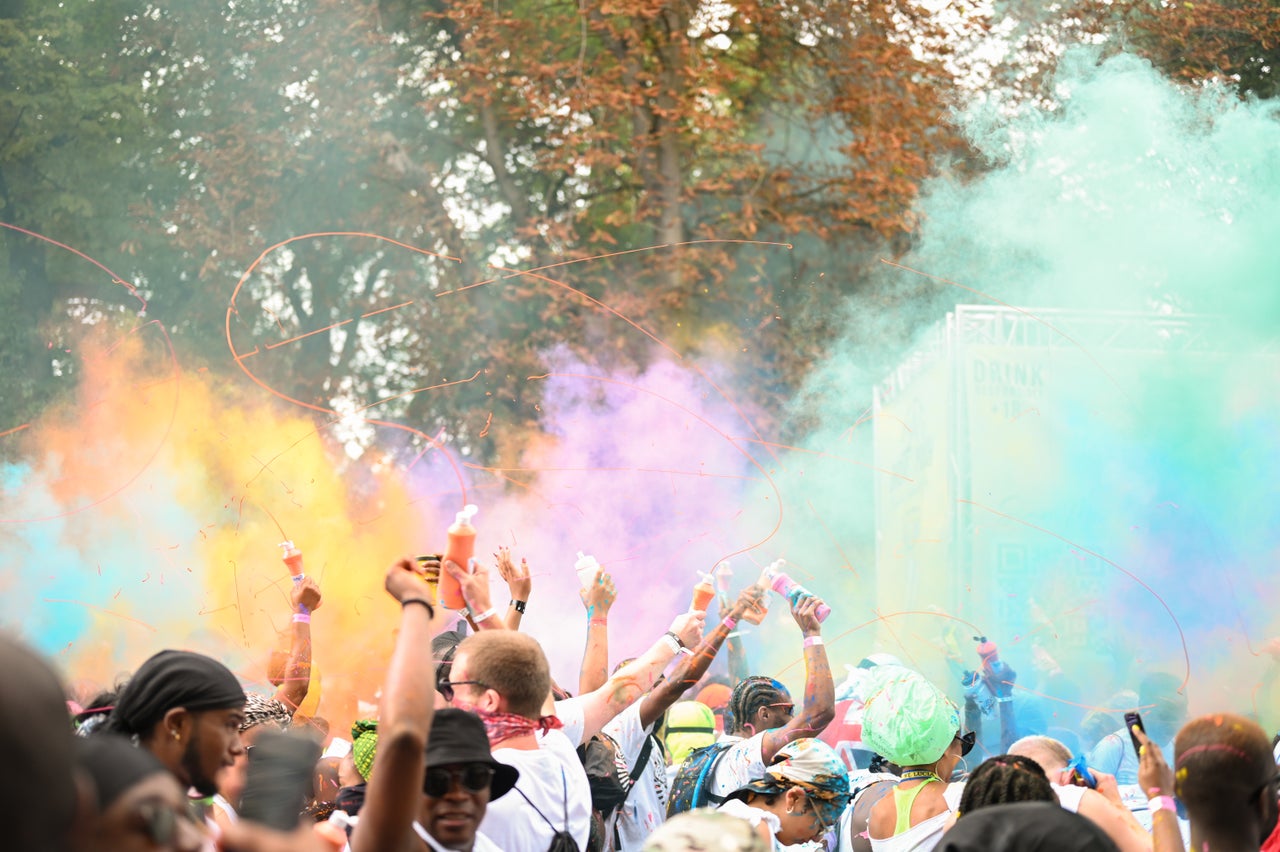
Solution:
(519, 583)
(637, 677)
(691, 669)
(819, 688)
(296, 678)
(404, 721)
(597, 598)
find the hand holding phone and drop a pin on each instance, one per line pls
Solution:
(1133, 719)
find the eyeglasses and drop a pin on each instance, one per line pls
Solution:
(446, 686)
(967, 741)
(473, 777)
(785, 707)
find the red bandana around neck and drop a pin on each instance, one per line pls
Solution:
(504, 726)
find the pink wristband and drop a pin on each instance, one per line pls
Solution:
(810, 641)
(302, 618)
(1163, 803)
(730, 623)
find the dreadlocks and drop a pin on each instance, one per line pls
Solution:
(1003, 779)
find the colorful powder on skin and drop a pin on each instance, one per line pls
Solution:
(1134, 198)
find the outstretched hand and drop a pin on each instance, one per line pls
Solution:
(600, 595)
(517, 578)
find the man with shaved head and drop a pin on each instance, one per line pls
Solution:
(1226, 777)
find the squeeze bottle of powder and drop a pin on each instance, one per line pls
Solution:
(586, 566)
(703, 592)
(461, 547)
(756, 613)
(292, 557)
(791, 590)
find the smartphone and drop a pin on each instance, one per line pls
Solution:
(1080, 774)
(1131, 720)
(280, 780)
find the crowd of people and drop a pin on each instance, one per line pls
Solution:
(475, 748)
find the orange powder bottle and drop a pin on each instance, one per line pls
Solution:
(462, 546)
(703, 592)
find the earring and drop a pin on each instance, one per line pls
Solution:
(176, 735)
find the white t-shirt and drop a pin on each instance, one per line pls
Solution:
(646, 808)
(740, 765)
(548, 774)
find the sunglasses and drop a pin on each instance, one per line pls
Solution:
(967, 742)
(445, 687)
(473, 777)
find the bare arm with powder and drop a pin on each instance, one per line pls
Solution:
(819, 688)
(625, 686)
(296, 677)
(597, 598)
(691, 669)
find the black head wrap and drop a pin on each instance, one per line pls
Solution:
(173, 679)
(1025, 827)
(115, 765)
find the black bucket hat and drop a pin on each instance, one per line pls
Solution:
(458, 736)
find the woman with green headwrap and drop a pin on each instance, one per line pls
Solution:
(910, 723)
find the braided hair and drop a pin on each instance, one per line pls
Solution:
(1003, 779)
(749, 696)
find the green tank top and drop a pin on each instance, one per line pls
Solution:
(902, 801)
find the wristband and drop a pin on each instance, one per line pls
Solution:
(484, 616)
(673, 642)
(1162, 803)
(519, 605)
(600, 620)
(302, 616)
(730, 623)
(810, 641)
(431, 611)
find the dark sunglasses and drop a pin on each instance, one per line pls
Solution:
(967, 742)
(445, 686)
(473, 777)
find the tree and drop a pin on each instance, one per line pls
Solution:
(71, 124)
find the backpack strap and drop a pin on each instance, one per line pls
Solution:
(641, 761)
(705, 777)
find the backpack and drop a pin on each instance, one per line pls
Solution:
(611, 782)
(610, 778)
(691, 787)
(561, 840)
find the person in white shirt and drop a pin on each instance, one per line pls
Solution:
(645, 807)
(764, 718)
(1101, 804)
